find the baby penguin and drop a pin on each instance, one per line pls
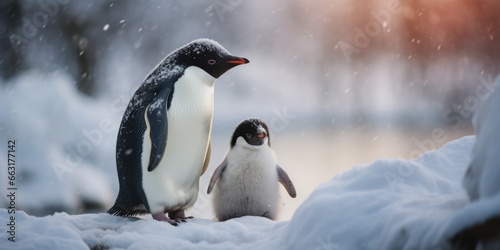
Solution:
(246, 182)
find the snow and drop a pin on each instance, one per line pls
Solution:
(481, 180)
(60, 144)
(419, 208)
(163, 70)
(390, 204)
(205, 44)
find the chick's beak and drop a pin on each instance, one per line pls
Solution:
(261, 135)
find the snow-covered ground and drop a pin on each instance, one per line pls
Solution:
(388, 204)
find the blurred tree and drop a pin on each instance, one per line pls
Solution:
(10, 17)
(82, 50)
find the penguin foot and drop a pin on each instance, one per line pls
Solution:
(161, 217)
(179, 216)
(184, 219)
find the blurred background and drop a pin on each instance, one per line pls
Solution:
(340, 82)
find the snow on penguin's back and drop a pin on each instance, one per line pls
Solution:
(205, 43)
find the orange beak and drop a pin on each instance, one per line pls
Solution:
(261, 135)
(238, 61)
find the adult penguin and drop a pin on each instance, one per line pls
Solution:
(163, 144)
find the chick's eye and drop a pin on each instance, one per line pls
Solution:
(211, 61)
(248, 135)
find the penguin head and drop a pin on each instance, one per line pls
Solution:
(254, 131)
(210, 56)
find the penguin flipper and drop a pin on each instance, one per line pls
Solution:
(207, 158)
(217, 173)
(157, 122)
(286, 182)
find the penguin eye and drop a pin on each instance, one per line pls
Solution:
(248, 135)
(211, 61)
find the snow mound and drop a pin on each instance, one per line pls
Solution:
(481, 180)
(478, 224)
(63, 143)
(388, 204)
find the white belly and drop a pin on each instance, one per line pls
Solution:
(174, 184)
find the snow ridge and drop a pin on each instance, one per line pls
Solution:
(358, 209)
